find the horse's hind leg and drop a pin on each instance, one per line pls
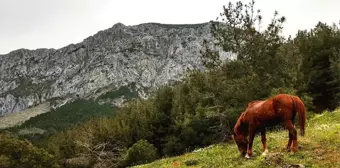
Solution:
(292, 136)
(264, 141)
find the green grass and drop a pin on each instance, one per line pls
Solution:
(319, 148)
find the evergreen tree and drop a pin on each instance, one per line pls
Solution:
(320, 51)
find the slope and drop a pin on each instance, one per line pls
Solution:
(70, 114)
(319, 148)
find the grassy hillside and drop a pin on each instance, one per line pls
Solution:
(18, 118)
(319, 148)
(71, 114)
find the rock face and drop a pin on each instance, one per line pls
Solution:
(148, 55)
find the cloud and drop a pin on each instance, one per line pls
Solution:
(56, 23)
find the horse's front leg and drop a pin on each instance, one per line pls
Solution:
(250, 143)
(264, 141)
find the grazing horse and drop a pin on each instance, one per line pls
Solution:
(281, 108)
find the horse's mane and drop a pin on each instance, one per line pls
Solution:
(252, 103)
(240, 124)
(242, 115)
(242, 120)
(245, 117)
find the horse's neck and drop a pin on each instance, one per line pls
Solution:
(241, 125)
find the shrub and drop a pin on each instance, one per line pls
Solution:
(141, 152)
(21, 153)
(276, 91)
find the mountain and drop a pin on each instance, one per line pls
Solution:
(146, 55)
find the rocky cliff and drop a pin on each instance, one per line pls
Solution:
(147, 55)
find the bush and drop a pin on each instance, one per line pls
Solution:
(18, 153)
(141, 152)
(276, 91)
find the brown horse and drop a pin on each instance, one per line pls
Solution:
(281, 108)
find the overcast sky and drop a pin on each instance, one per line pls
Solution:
(36, 24)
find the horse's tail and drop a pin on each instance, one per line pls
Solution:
(299, 107)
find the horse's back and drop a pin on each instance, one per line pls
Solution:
(262, 112)
(283, 102)
(254, 105)
(289, 105)
(285, 98)
(270, 112)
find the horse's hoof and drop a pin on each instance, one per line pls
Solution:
(247, 156)
(295, 150)
(265, 152)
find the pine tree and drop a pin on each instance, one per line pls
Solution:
(320, 51)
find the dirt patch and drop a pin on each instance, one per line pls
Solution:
(293, 166)
(274, 159)
(277, 160)
(332, 156)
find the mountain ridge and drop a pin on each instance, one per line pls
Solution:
(149, 54)
(116, 24)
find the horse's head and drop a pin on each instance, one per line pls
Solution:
(241, 142)
(240, 134)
